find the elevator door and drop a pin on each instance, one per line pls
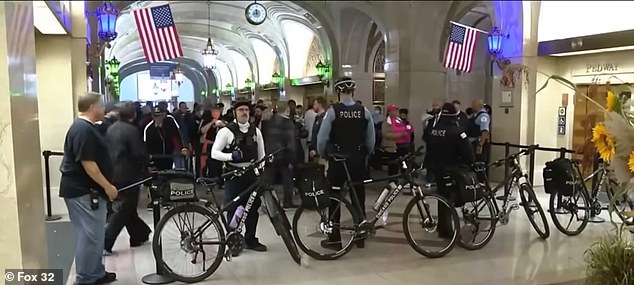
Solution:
(586, 116)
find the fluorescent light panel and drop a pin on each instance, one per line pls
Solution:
(45, 20)
(594, 51)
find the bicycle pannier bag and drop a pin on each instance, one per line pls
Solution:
(461, 185)
(313, 186)
(559, 177)
(178, 187)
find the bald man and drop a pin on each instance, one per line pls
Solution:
(478, 130)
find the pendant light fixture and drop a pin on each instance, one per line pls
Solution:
(209, 53)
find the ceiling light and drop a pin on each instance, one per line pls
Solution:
(594, 51)
(45, 20)
(209, 55)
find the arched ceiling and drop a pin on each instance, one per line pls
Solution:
(229, 30)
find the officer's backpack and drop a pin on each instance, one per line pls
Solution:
(313, 186)
(461, 185)
(559, 177)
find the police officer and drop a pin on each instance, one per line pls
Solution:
(448, 147)
(478, 131)
(237, 144)
(346, 129)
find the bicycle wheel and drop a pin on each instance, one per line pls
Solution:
(185, 242)
(282, 226)
(442, 232)
(479, 220)
(577, 206)
(316, 230)
(531, 206)
(622, 203)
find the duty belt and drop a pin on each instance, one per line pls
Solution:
(338, 148)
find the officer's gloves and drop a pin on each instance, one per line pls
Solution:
(236, 155)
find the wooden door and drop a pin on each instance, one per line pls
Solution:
(586, 116)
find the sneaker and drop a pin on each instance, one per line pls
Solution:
(257, 247)
(107, 252)
(333, 245)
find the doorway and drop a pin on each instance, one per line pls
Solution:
(586, 116)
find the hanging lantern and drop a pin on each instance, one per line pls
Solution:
(107, 21)
(248, 83)
(494, 40)
(178, 75)
(321, 69)
(209, 55)
(113, 65)
(276, 78)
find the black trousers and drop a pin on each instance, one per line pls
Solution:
(124, 214)
(282, 170)
(401, 150)
(357, 167)
(444, 213)
(235, 187)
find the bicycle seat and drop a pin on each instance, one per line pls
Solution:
(339, 156)
(208, 180)
(170, 174)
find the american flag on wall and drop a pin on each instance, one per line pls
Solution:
(461, 48)
(19, 28)
(158, 34)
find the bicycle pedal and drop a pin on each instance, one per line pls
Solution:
(228, 255)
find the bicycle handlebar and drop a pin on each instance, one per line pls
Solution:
(525, 151)
(252, 165)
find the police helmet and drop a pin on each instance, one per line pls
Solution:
(449, 109)
(345, 85)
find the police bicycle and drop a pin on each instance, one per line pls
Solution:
(312, 224)
(198, 242)
(477, 221)
(581, 204)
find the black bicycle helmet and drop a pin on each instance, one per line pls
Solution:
(243, 103)
(345, 85)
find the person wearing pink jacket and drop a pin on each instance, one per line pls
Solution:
(404, 132)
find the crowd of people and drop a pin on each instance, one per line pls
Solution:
(110, 147)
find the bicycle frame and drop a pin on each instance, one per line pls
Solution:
(516, 174)
(348, 185)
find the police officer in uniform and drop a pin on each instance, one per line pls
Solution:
(478, 131)
(238, 144)
(448, 147)
(346, 129)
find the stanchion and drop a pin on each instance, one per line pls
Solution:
(159, 277)
(47, 179)
(507, 153)
(531, 165)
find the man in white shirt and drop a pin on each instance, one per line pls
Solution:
(237, 144)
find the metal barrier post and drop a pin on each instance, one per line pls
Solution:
(562, 154)
(47, 180)
(531, 165)
(507, 152)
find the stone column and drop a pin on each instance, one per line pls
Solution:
(78, 50)
(23, 234)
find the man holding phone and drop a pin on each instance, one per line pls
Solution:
(85, 186)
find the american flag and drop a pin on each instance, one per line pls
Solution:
(461, 48)
(20, 27)
(157, 32)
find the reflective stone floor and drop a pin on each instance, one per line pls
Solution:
(514, 256)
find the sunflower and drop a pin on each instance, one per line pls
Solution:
(630, 162)
(603, 141)
(611, 101)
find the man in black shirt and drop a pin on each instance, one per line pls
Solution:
(85, 186)
(129, 158)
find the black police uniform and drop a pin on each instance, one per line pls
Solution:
(473, 132)
(347, 137)
(448, 147)
(245, 143)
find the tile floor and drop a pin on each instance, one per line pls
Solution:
(514, 256)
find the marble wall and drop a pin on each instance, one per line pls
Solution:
(22, 237)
